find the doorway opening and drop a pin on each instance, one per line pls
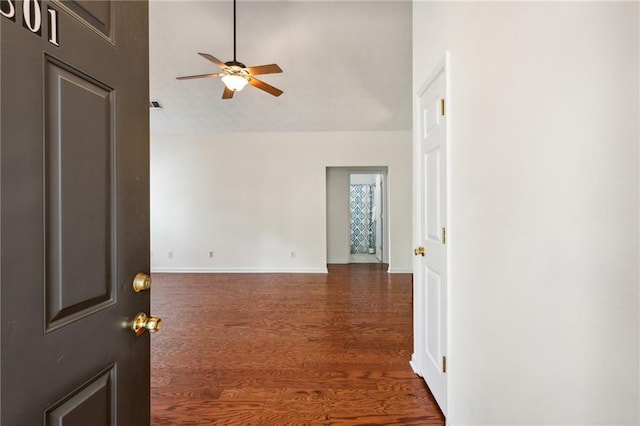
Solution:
(365, 217)
(357, 202)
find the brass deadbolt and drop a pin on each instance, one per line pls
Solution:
(141, 282)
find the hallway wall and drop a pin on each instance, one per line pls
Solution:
(544, 114)
(253, 198)
(338, 215)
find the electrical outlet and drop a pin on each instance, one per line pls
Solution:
(210, 253)
(170, 254)
(293, 254)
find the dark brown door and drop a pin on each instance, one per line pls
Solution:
(74, 206)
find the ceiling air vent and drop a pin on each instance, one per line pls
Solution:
(155, 104)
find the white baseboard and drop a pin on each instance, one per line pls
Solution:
(414, 365)
(222, 270)
(400, 271)
(239, 270)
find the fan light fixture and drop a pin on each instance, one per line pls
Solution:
(235, 75)
(234, 82)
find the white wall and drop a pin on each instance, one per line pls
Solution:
(544, 220)
(253, 198)
(362, 179)
(338, 237)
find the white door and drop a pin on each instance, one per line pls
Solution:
(430, 265)
(377, 202)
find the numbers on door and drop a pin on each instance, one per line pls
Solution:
(32, 17)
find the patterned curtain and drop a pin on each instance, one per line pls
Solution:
(362, 225)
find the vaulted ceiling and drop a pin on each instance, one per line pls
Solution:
(346, 65)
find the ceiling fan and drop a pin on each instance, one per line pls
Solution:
(235, 75)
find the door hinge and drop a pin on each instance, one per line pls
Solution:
(444, 236)
(444, 364)
(442, 110)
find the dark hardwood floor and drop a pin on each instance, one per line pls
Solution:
(274, 349)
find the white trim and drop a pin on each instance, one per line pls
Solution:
(338, 262)
(399, 271)
(414, 365)
(239, 271)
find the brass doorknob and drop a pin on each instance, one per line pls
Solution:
(141, 282)
(420, 251)
(143, 322)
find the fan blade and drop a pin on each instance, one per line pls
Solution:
(264, 86)
(228, 93)
(213, 59)
(187, 77)
(264, 69)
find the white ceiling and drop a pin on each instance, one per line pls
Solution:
(346, 65)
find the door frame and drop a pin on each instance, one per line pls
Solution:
(344, 223)
(442, 67)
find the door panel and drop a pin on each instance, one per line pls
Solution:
(430, 266)
(96, 14)
(74, 217)
(79, 150)
(94, 400)
(432, 222)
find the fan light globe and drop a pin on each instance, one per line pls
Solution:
(234, 82)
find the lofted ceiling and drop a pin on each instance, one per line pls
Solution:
(346, 65)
